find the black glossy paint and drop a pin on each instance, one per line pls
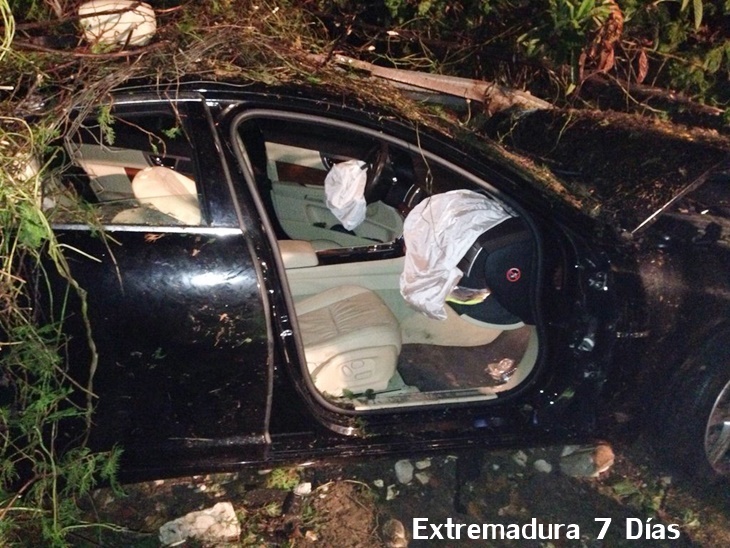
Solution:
(178, 325)
(199, 368)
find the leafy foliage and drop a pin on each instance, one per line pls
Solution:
(546, 45)
(283, 478)
(39, 484)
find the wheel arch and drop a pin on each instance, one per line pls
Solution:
(682, 414)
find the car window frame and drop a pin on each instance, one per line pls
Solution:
(375, 251)
(331, 414)
(141, 105)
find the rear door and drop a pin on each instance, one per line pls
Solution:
(177, 317)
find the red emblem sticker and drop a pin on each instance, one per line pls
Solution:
(514, 274)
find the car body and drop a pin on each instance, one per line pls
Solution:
(196, 299)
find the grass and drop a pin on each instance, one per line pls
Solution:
(285, 479)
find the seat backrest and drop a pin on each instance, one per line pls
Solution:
(168, 192)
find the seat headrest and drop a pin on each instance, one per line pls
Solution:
(169, 192)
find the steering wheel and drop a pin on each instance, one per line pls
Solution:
(376, 184)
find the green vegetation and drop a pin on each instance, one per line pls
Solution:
(285, 479)
(551, 47)
(554, 48)
(39, 485)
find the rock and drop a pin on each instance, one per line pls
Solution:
(394, 534)
(423, 477)
(404, 471)
(391, 493)
(423, 464)
(303, 489)
(218, 524)
(117, 22)
(379, 483)
(541, 465)
(603, 458)
(520, 458)
(578, 464)
(586, 461)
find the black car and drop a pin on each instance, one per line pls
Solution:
(239, 317)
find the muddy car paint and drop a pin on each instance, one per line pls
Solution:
(200, 367)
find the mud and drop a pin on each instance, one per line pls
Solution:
(350, 504)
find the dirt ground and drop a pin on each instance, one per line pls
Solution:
(354, 505)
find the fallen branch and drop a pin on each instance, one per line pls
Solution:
(662, 94)
(22, 45)
(493, 96)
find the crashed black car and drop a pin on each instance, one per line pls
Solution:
(241, 317)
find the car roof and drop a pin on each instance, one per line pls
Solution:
(392, 108)
(629, 207)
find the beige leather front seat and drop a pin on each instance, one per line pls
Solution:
(351, 340)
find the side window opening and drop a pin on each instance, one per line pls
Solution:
(132, 169)
(291, 161)
(392, 355)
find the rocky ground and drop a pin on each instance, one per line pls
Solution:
(375, 504)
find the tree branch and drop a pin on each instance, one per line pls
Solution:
(493, 96)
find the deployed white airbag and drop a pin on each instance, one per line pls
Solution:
(438, 232)
(344, 188)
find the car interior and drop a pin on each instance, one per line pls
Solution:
(366, 347)
(143, 174)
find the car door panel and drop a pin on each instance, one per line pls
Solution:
(177, 324)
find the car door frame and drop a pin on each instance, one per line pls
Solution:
(328, 414)
(543, 404)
